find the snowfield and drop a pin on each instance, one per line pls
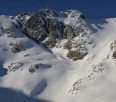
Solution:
(30, 72)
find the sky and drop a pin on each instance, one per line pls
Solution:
(94, 9)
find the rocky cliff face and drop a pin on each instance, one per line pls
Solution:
(49, 26)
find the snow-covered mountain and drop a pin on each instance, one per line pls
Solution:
(51, 56)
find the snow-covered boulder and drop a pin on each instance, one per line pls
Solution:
(9, 32)
(16, 47)
(35, 67)
(14, 66)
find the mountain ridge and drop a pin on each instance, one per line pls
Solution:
(79, 68)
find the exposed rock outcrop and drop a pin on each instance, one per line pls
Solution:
(49, 27)
(16, 47)
(75, 55)
(46, 23)
(14, 66)
(9, 32)
(33, 68)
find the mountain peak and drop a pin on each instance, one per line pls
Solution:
(47, 26)
(75, 14)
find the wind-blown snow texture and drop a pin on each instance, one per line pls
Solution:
(30, 72)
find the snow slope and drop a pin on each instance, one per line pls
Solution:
(58, 79)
